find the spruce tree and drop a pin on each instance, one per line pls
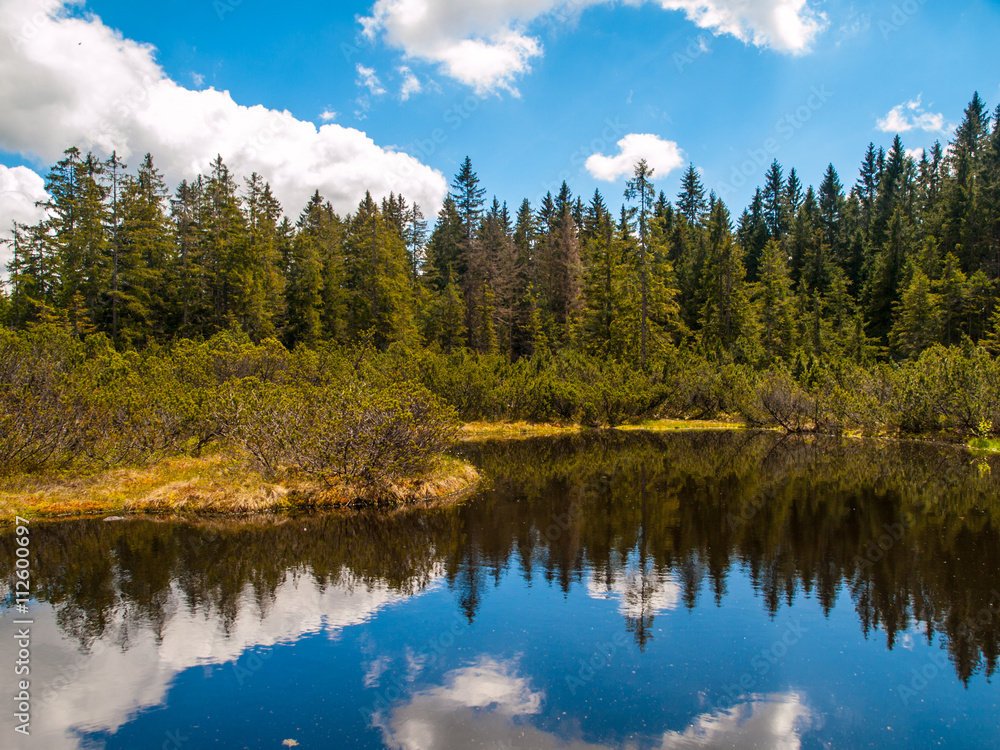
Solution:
(691, 200)
(640, 189)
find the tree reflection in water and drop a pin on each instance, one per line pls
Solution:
(907, 530)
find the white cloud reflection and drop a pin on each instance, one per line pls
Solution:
(105, 688)
(488, 705)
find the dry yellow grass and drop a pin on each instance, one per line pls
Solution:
(219, 484)
(489, 430)
(215, 484)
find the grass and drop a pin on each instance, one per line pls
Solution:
(219, 484)
(211, 485)
(488, 430)
(985, 445)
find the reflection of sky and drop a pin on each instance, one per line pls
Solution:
(487, 703)
(639, 593)
(103, 689)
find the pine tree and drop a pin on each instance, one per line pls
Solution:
(444, 249)
(224, 252)
(305, 283)
(867, 188)
(776, 214)
(952, 289)
(752, 234)
(691, 200)
(376, 278)
(918, 317)
(145, 241)
(33, 274)
(831, 215)
(468, 198)
(640, 188)
(560, 275)
(186, 272)
(77, 230)
(265, 282)
(603, 256)
(726, 313)
(773, 300)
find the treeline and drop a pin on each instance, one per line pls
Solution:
(666, 307)
(907, 257)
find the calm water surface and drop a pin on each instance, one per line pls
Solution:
(701, 590)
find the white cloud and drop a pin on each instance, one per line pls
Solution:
(20, 189)
(784, 25)
(911, 115)
(663, 156)
(71, 80)
(368, 79)
(328, 115)
(487, 46)
(411, 84)
(915, 153)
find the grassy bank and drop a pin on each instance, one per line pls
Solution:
(219, 484)
(490, 430)
(214, 485)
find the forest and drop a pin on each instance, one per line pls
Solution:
(869, 305)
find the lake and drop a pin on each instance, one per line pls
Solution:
(605, 590)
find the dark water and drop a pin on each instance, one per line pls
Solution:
(701, 590)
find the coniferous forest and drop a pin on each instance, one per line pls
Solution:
(868, 302)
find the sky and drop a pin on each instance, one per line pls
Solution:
(392, 95)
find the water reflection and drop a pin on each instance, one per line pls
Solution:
(485, 705)
(772, 722)
(101, 685)
(652, 525)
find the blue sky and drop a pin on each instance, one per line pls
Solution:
(531, 90)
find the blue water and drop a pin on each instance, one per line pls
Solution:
(539, 636)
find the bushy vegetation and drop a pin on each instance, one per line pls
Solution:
(365, 416)
(146, 324)
(68, 401)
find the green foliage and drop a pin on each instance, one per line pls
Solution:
(822, 309)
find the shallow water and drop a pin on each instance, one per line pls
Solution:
(727, 590)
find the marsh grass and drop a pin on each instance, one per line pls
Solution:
(216, 484)
(488, 430)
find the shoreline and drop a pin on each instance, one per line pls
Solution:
(473, 431)
(218, 485)
(214, 485)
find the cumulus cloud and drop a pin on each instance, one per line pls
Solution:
(68, 79)
(487, 45)
(784, 25)
(663, 156)
(911, 115)
(20, 190)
